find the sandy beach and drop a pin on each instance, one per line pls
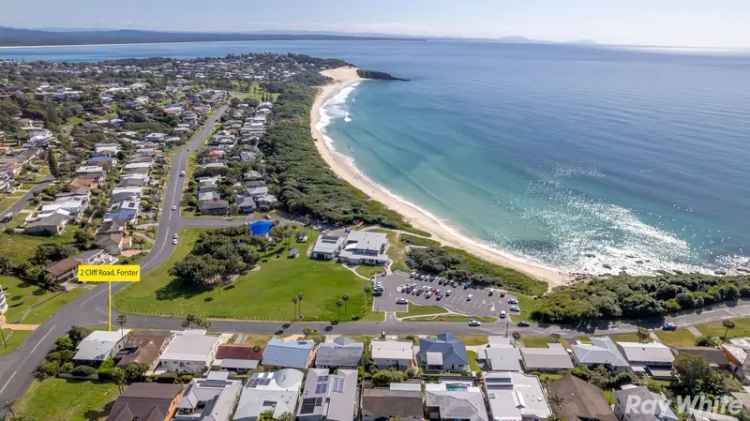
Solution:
(344, 167)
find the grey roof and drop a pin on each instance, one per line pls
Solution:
(292, 354)
(502, 358)
(328, 243)
(458, 405)
(98, 345)
(645, 412)
(554, 357)
(191, 346)
(601, 350)
(209, 399)
(385, 403)
(515, 396)
(342, 352)
(451, 349)
(331, 396)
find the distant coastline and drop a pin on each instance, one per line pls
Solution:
(344, 167)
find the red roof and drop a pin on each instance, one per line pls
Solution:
(238, 352)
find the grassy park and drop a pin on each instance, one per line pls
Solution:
(677, 338)
(20, 247)
(741, 328)
(264, 293)
(70, 400)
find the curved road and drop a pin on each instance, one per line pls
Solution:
(17, 368)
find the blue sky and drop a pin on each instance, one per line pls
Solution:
(721, 23)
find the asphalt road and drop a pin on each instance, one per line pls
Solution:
(23, 200)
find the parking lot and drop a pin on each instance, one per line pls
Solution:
(472, 301)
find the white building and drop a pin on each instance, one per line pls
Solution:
(515, 397)
(276, 392)
(190, 350)
(387, 354)
(100, 345)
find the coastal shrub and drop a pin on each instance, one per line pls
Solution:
(83, 371)
(461, 266)
(301, 179)
(388, 376)
(635, 297)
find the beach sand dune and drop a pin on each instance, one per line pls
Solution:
(344, 167)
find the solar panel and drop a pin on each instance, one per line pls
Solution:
(308, 406)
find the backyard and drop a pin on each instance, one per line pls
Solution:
(70, 400)
(265, 293)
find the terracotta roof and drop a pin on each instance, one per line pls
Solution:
(239, 352)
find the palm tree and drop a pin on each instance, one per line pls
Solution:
(122, 320)
(345, 298)
(295, 300)
(299, 298)
(728, 324)
(339, 303)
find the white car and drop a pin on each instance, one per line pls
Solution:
(475, 323)
(174, 241)
(469, 297)
(503, 314)
(401, 301)
(174, 208)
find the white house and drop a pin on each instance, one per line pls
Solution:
(100, 345)
(389, 353)
(190, 350)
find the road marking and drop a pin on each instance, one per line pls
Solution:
(27, 358)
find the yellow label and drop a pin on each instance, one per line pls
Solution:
(109, 273)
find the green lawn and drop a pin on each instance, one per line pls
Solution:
(538, 341)
(69, 400)
(417, 241)
(7, 200)
(20, 247)
(472, 340)
(369, 271)
(262, 294)
(29, 304)
(742, 328)
(13, 339)
(677, 338)
(415, 310)
(473, 363)
(527, 304)
(626, 337)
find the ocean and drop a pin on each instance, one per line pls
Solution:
(585, 158)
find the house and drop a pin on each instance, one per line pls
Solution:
(653, 357)
(715, 358)
(574, 399)
(288, 354)
(454, 399)
(53, 224)
(329, 396)
(238, 357)
(552, 358)
(275, 392)
(189, 351)
(342, 352)
(364, 247)
(443, 352)
(637, 403)
(501, 355)
(143, 348)
(100, 345)
(111, 237)
(147, 402)
(327, 245)
(213, 207)
(65, 270)
(380, 404)
(209, 399)
(515, 397)
(392, 354)
(601, 351)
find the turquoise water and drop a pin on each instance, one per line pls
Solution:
(582, 158)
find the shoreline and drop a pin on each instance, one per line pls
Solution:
(343, 166)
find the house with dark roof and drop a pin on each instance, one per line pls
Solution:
(146, 402)
(288, 354)
(238, 357)
(443, 352)
(342, 352)
(143, 348)
(329, 396)
(573, 399)
(715, 357)
(380, 404)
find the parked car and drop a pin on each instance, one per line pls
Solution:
(503, 314)
(448, 293)
(469, 297)
(669, 326)
(512, 300)
(515, 309)
(475, 323)
(401, 301)
(523, 323)
(174, 241)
